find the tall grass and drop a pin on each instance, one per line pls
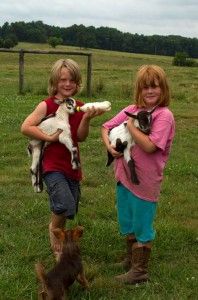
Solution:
(24, 215)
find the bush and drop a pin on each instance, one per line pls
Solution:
(8, 43)
(181, 59)
(54, 41)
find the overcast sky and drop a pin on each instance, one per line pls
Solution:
(147, 17)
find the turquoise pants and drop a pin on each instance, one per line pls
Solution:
(135, 215)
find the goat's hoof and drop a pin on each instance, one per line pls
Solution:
(32, 172)
(76, 167)
(37, 189)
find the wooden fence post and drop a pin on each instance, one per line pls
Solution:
(21, 64)
(21, 72)
(89, 66)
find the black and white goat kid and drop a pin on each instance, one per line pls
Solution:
(49, 125)
(120, 137)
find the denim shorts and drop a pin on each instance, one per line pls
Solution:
(135, 215)
(64, 194)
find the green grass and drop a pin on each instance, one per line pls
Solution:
(24, 215)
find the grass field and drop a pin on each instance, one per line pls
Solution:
(24, 215)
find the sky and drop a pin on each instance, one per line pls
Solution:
(147, 17)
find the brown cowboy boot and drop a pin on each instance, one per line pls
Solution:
(127, 262)
(139, 270)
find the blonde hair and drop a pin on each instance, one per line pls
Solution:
(72, 67)
(151, 75)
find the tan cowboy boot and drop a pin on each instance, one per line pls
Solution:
(127, 262)
(139, 269)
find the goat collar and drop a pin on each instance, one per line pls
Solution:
(152, 109)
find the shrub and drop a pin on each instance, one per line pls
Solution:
(181, 59)
(54, 41)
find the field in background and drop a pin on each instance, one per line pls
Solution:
(112, 72)
(24, 216)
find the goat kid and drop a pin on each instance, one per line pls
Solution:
(49, 125)
(120, 137)
(68, 269)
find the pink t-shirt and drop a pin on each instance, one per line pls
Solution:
(149, 166)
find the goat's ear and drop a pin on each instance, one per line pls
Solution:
(78, 232)
(59, 233)
(130, 115)
(58, 101)
(70, 101)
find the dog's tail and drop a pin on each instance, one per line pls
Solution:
(41, 273)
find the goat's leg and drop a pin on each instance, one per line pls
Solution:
(67, 141)
(39, 177)
(131, 165)
(74, 159)
(35, 169)
(120, 146)
(134, 177)
(110, 159)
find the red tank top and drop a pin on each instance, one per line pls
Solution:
(56, 156)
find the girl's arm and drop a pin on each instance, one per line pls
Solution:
(141, 138)
(111, 149)
(29, 126)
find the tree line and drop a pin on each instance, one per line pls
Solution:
(99, 38)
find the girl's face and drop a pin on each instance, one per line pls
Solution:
(151, 95)
(66, 85)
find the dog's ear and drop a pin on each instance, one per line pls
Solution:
(78, 232)
(59, 233)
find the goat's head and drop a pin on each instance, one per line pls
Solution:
(69, 103)
(144, 119)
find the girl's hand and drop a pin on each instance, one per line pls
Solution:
(55, 137)
(114, 153)
(130, 121)
(93, 112)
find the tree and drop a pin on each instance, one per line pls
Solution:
(20, 30)
(54, 41)
(1, 43)
(102, 38)
(5, 30)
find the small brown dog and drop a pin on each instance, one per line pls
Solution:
(68, 269)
